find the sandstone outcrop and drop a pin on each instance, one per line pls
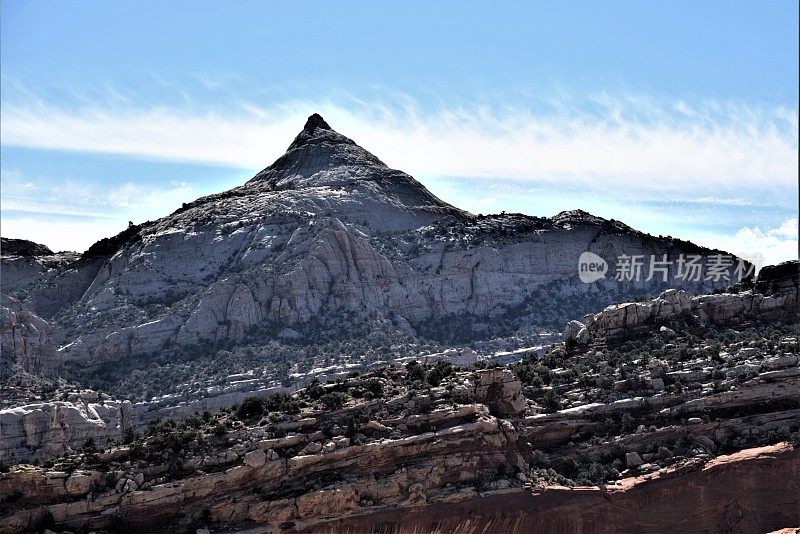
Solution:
(501, 391)
(775, 297)
(714, 498)
(45, 282)
(474, 453)
(26, 341)
(53, 428)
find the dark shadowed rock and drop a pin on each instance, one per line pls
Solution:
(22, 247)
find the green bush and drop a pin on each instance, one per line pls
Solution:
(333, 400)
(439, 372)
(375, 388)
(315, 390)
(414, 372)
(250, 408)
(89, 445)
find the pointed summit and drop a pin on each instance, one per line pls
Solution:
(316, 121)
(319, 155)
(317, 132)
(322, 158)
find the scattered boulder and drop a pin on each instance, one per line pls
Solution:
(576, 332)
(78, 484)
(501, 391)
(312, 448)
(632, 459)
(255, 458)
(375, 426)
(780, 362)
(667, 332)
(657, 384)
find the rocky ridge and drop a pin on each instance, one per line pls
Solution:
(775, 295)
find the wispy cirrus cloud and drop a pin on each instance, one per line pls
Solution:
(71, 215)
(632, 144)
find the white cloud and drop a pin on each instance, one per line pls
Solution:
(69, 215)
(762, 246)
(62, 234)
(627, 145)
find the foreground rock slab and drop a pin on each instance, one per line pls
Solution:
(718, 497)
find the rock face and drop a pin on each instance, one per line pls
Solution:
(715, 498)
(777, 279)
(327, 231)
(26, 341)
(42, 280)
(53, 428)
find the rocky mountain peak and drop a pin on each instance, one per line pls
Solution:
(319, 156)
(575, 216)
(315, 121)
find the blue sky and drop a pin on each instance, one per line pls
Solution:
(678, 118)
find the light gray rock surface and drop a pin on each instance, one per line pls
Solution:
(52, 428)
(26, 341)
(621, 321)
(256, 458)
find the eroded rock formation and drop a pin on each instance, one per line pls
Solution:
(474, 453)
(26, 341)
(775, 296)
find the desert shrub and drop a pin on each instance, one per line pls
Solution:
(250, 408)
(315, 390)
(414, 372)
(539, 459)
(423, 405)
(89, 445)
(439, 372)
(551, 401)
(129, 436)
(374, 387)
(354, 422)
(282, 403)
(596, 473)
(333, 400)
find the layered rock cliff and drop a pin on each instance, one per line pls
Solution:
(734, 493)
(775, 295)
